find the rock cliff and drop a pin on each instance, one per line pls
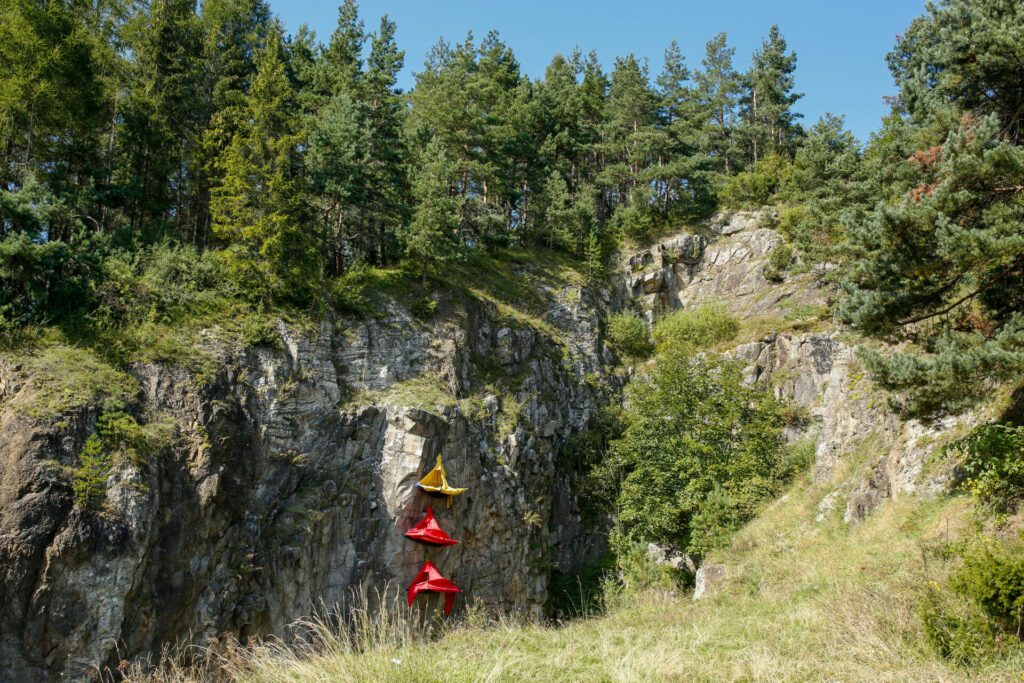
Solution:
(289, 482)
(288, 477)
(792, 345)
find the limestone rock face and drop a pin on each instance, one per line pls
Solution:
(727, 267)
(291, 481)
(815, 371)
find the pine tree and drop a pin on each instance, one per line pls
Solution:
(945, 268)
(939, 264)
(628, 134)
(160, 119)
(718, 89)
(433, 235)
(769, 123)
(340, 66)
(593, 96)
(235, 32)
(389, 194)
(58, 97)
(258, 205)
(680, 171)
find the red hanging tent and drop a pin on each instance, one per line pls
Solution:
(429, 580)
(428, 531)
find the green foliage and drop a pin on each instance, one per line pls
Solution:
(992, 575)
(258, 205)
(769, 122)
(259, 331)
(587, 454)
(799, 456)
(424, 307)
(779, 260)
(628, 335)
(66, 378)
(955, 626)
(433, 236)
(118, 438)
(89, 484)
(981, 613)
(718, 88)
(824, 182)
(696, 328)
(637, 571)
(578, 594)
(701, 453)
(757, 187)
(993, 465)
(938, 263)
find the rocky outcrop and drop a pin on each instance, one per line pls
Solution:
(726, 266)
(708, 577)
(861, 445)
(289, 482)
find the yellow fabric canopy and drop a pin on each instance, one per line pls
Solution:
(436, 483)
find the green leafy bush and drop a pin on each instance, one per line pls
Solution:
(637, 570)
(628, 335)
(700, 453)
(696, 328)
(259, 331)
(994, 465)
(955, 626)
(48, 280)
(423, 307)
(992, 575)
(348, 296)
(779, 260)
(981, 612)
(587, 453)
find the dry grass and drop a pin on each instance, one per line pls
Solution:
(804, 601)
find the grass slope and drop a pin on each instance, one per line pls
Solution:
(805, 600)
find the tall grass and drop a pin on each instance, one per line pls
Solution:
(803, 601)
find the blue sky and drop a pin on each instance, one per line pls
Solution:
(840, 44)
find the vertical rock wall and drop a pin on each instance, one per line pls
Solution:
(290, 482)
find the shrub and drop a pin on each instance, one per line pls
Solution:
(799, 456)
(994, 465)
(179, 277)
(423, 307)
(118, 438)
(992, 575)
(579, 593)
(696, 328)
(348, 296)
(957, 629)
(259, 331)
(628, 335)
(48, 280)
(586, 453)
(636, 221)
(638, 570)
(755, 187)
(89, 483)
(778, 263)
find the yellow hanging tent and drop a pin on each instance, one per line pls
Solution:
(436, 483)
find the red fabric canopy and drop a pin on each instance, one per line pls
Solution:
(429, 580)
(428, 531)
